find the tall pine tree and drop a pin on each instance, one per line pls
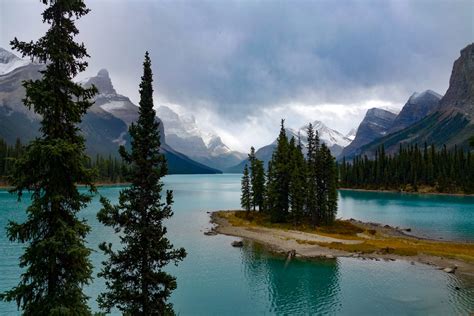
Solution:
(279, 179)
(56, 261)
(297, 193)
(257, 180)
(312, 175)
(135, 279)
(246, 195)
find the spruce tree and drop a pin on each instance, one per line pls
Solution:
(329, 186)
(135, 279)
(297, 189)
(246, 196)
(56, 262)
(257, 180)
(279, 179)
(312, 170)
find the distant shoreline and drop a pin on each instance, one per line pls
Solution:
(302, 244)
(4, 186)
(405, 192)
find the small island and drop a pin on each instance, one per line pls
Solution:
(346, 238)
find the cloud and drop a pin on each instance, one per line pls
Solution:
(230, 62)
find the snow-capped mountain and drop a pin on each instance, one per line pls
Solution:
(328, 135)
(335, 141)
(183, 134)
(10, 62)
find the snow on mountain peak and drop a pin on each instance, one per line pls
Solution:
(328, 135)
(417, 96)
(10, 62)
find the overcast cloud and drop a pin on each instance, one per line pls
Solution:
(240, 66)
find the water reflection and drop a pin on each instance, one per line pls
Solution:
(295, 287)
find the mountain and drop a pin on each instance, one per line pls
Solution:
(332, 138)
(121, 107)
(352, 134)
(450, 123)
(183, 134)
(102, 129)
(10, 62)
(418, 106)
(375, 124)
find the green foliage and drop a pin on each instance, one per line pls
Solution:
(107, 169)
(8, 156)
(257, 180)
(279, 179)
(136, 281)
(246, 196)
(297, 190)
(412, 169)
(56, 261)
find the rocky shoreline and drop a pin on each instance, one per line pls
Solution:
(298, 244)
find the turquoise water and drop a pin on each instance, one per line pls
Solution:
(217, 279)
(434, 216)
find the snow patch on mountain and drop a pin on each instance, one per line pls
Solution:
(416, 96)
(111, 105)
(352, 134)
(10, 62)
(328, 135)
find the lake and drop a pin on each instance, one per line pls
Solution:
(217, 279)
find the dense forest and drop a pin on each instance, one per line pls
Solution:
(107, 168)
(295, 188)
(412, 169)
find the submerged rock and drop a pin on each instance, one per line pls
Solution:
(237, 243)
(449, 270)
(291, 254)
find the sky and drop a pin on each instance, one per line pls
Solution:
(241, 66)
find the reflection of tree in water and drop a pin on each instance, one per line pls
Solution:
(298, 287)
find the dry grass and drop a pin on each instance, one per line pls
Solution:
(407, 247)
(378, 243)
(340, 229)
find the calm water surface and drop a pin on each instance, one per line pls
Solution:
(217, 279)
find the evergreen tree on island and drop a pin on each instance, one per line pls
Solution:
(257, 180)
(56, 262)
(246, 196)
(312, 175)
(328, 186)
(135, 279)
(297, 188)
(279, 179)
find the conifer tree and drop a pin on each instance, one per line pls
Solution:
(257, 180)
(279, 179)
(328, 186)
(56, 260)
(312, 201)
(246, 196)
(135, 279)
(297, 189)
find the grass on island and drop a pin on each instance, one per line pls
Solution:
(341, 229)
(374, 241)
